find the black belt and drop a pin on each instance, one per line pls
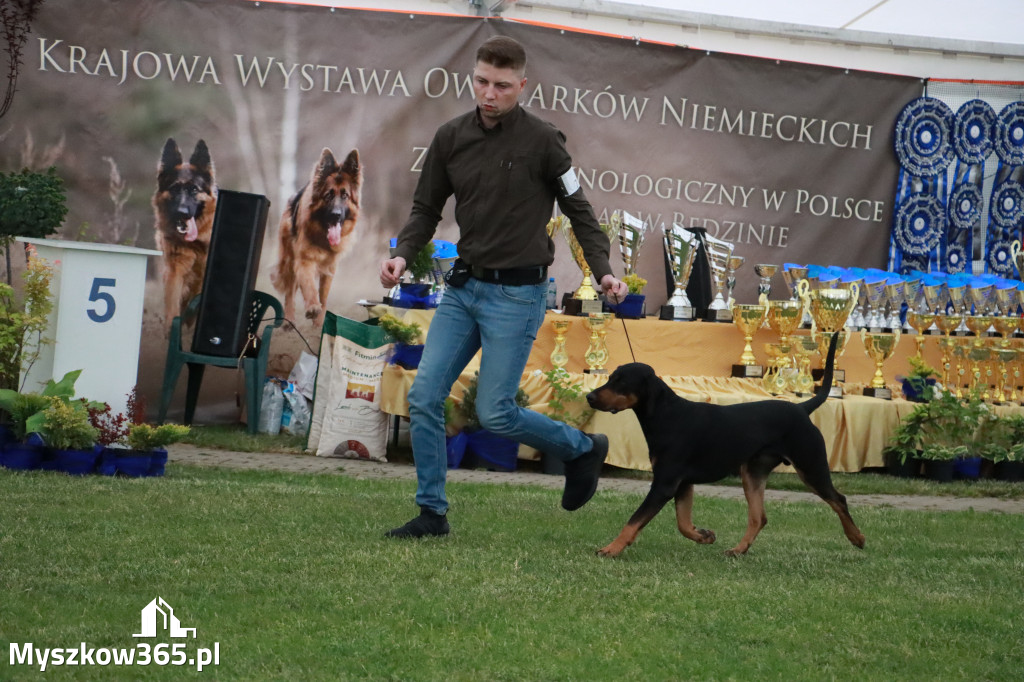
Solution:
(511, 276)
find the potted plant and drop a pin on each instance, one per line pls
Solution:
(408, 337)
(567, 404)
(631, 307)
(1000, 441)
(150, 443)
(418, 292)
(937, 432)
(70, 436)
(920, 383)
(498, 451)
(32, 204)
(26, 416)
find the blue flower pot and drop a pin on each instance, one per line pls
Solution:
(631, 307)
(157, 463)
(967, 467)
(134, 463)
(21, 456)
(455, 448)
(500, 452)
(75, 462)
(406, 356)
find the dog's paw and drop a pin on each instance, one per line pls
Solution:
(738, 550)
(707, 537)
(313, 313)
(610, 551)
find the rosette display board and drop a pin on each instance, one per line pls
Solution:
(923, 142)
(972, 143)
(1006, 203)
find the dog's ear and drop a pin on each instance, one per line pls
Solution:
(170, 159)
(652, 388)
(201, 159)
(354, 170)
(326, 166)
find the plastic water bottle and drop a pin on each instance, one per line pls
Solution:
(271, 407)
(552, 294)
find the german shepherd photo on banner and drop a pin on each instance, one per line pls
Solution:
(316, 230)
(184, 203)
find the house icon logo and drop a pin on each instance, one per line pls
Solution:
(159, 613)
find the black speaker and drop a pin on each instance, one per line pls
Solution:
(231, 267)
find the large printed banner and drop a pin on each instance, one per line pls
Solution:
(791, 162)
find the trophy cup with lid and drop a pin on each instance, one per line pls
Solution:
(718, 254)
(596, 356)
(681, 245)
(829, 309)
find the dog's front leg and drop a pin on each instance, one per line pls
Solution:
(649, 508)
(307, 278)
(684, 511)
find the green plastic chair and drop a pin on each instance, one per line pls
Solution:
(254, 365)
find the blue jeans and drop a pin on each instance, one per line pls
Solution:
(502, 321)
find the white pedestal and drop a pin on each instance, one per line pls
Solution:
(98, 294)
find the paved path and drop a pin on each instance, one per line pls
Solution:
(299, 463)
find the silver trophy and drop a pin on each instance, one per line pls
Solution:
(631, 238)
(765, 272)
(681, 246)
(718, 253)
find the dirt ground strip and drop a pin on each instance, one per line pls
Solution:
(296, 463)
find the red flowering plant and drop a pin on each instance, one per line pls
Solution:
(114, 428)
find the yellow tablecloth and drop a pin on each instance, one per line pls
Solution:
(695, 359)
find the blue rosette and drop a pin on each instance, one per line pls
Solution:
(956, 258)
(1007, 206)
(1000, 258)
(919, 225)
(972, 131)
(1008, 134)
(965, 204)
(923, 137)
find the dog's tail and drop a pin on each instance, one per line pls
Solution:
(826, 379)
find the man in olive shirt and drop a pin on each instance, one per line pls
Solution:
(506, 169)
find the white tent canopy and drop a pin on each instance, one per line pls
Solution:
(981, 40)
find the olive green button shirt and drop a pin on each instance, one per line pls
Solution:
(505, 183)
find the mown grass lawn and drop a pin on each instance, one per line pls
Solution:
(291, 576)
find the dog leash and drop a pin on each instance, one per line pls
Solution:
(628, 342)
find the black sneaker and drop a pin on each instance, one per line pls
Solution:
(427, 524)
(581, 474)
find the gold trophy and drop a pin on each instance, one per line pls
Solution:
(802, 383)
(748, 317)
(597, 352)
(559, 358)
(774, 380)
(765, 272)
(879, 347)
(919, 322)
(681, 245)
(584, 300)
(784, 317)
(718, 254)
(829, 309)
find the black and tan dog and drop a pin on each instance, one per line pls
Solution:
(693, 443)
(184, 203)
(317, 228)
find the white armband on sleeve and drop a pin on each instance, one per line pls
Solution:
(568, 183)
